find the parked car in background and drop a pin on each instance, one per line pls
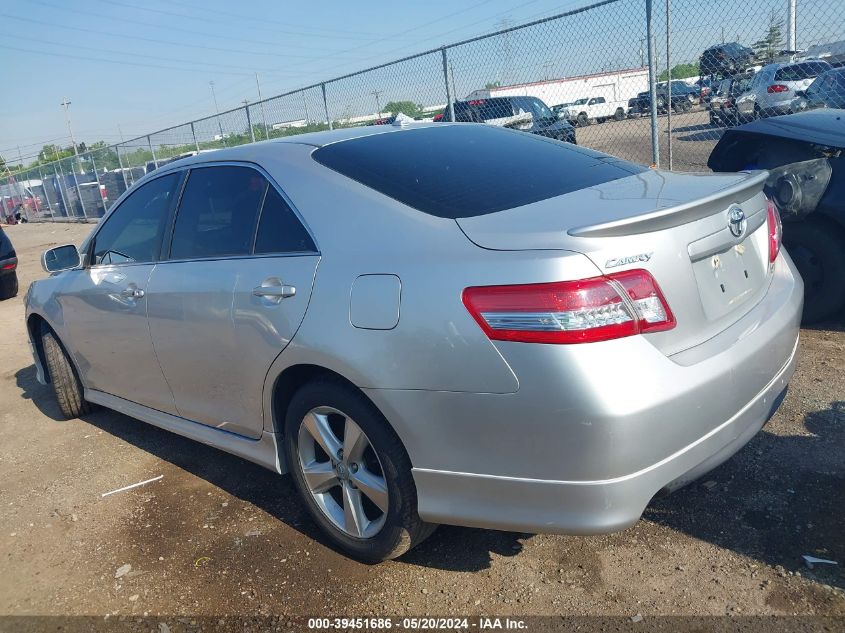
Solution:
(722, 106)
(775, 86)
(683, 97)
(529, 114)
(598, 109)
(826, 91)
(805, 156)
(723, 60)
(475, 340)
(8, 267)
(705, 89)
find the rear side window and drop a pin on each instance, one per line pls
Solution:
(133, 232)
(279, 230)
(461, 171)
(797, 72)
(218, 212)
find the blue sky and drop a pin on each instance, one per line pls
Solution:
(136, 66)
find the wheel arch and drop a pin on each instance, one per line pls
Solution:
(34, 326)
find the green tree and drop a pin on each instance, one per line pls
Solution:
(409, 108)
(493, 84)
(680, 71)
(772, 42)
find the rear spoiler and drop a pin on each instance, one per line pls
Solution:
(678, 214)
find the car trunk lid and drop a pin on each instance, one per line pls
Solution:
(676, 226)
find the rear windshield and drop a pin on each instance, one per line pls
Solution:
(797, 72)
(462, 171)
(479, 110)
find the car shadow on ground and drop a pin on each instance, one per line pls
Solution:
(778, 499)
(450, 548)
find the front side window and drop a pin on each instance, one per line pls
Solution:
(218, 212)
(133, 232)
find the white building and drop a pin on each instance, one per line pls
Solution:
(616, 86)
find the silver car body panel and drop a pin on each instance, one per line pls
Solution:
(572, 438)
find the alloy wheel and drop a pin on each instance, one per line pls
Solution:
(342, 472)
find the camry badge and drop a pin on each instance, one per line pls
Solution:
(631, 259)
(736, 221)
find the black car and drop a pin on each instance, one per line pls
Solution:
(682, 99)
(804, 155)
(725, 60)
(8, 267)
(826, 91)
(520, 113)
(722, 103)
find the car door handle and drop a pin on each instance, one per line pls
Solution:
(276, 292)
(132, 293)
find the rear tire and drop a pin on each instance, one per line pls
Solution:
(819, 254)
(63, 377)
(582, 120)
(332, 405)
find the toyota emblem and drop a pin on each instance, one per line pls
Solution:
(736, 221)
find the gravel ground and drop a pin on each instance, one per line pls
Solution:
(217, 535)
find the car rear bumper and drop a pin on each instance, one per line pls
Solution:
(595, 431)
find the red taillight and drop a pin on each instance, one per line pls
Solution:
(9, 266)
(775, 230)
(582, 311)
(777, 88)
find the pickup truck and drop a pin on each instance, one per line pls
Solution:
(597, 109)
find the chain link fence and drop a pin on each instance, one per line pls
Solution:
(652, 81)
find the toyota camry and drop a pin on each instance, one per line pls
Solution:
(433, 323)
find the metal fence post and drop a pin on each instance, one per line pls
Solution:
(249, 123)
(652, 82)
(669, 84)
(326, 106)
(78, 190)
(100, 188)
(62, 185)
(120, 162)
(44, 189)
(449, 108)
(194, 134)
(152, 151)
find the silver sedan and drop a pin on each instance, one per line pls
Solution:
(426, 324)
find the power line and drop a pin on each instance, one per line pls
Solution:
(101, 33)
(178, 29)
(140, 55)
(335, 33)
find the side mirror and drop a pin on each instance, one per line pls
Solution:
(60, 258)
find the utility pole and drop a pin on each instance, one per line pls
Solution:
(261, 102)
(546, 67)
(217, 109)
(642, 52)
(65, 103)
(791, 15)
(377, 94)
(119, 131)
(305, 105)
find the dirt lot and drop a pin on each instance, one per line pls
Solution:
(219, 536)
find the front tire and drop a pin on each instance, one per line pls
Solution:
(582, 120)
(819, 254)
(352, 472)
(619, 114)
(63, 377)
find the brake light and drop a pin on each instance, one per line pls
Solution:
(582, 311)
(9, 266)
(775, 230)
(777, 88)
